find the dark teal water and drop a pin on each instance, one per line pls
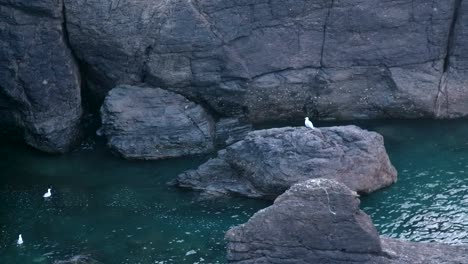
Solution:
(430, 200)
(123, 212)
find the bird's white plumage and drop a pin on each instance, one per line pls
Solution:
(308, 123)
(47, 194)
(20, 240)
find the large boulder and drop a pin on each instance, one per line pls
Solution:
(319, 221)
(151, 123)
(267, 162)
(39, 78)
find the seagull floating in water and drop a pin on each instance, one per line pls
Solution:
(308, 123)
(20, 240)
(47, 194)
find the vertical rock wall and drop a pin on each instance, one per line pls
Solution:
(39, 79)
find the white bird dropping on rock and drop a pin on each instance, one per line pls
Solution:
(20, 240)
(308, 123)
(47, 194)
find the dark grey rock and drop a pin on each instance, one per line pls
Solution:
(268, 162)
(262, 60)
(151, 123)
(319, 221)
(278, 60)
(39, 79)
(230, 130)
(453, 91)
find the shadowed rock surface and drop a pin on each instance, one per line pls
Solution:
(276, 60)
(453, 95)
(259, 60)
(231, 130)
(39, 79)
(151, 123)
(319, 221)
(268, 162)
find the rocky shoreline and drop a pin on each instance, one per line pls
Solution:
(186, 77)
(257, 60)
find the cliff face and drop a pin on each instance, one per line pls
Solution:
(263, 60)
(39, 79)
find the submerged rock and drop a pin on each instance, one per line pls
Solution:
(268, 162)
(151, 123)
(78, 259)
(319, 221)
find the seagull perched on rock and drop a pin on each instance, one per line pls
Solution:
(308, 123)
(47, 194)
(20, 240)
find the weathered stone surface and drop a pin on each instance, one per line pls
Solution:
(268, 162)
(151, 123)
(39, 79)
(276, 60)
(260, 60)
(453, 93)
(319, 221)
(230, 130)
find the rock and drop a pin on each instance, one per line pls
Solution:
(319, 221)
(268, 162)
(39, 78)
(280, 60)
(259, 60)
(230, 130)
(453, 90)
(78, 259)
(151, 123)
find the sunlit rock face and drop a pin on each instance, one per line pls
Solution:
(319, 221)
(39, 79)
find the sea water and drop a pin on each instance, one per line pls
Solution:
(122, 211)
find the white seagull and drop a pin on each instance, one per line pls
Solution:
(308, 123)
(47, 194)
(20, 240)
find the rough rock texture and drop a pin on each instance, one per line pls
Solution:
(268, 162)
(453, 93)
(151, 123)
(275, 60)
(230, 130)
(319, 221)
(262, 60)
(39, 79)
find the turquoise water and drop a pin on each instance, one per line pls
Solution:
(123, 212)
(430, 200)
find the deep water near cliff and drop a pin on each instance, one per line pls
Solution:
(123, 212)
